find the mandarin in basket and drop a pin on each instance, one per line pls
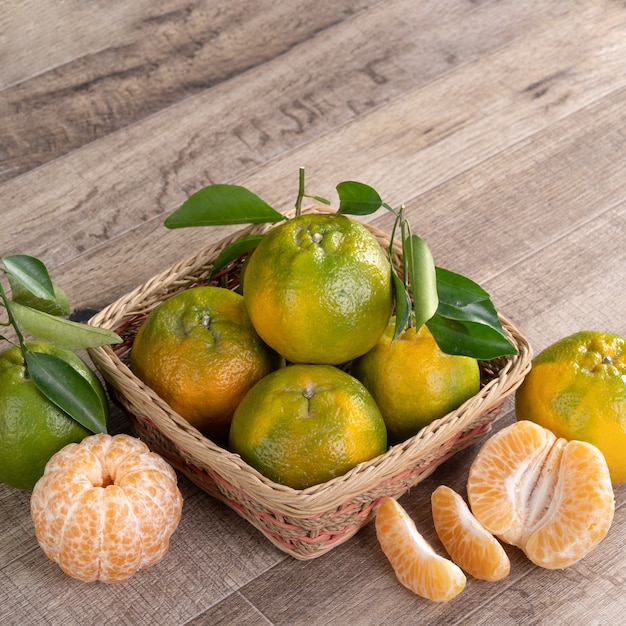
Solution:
(305, 424)
(199, 352)
(577, 389)
(417, 566)
(105, 508)
(318, 289)
(413, 381)
(470, 545)
(550, 497)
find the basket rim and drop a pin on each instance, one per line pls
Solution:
(199, 451)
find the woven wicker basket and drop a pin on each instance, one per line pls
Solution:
(303, 523)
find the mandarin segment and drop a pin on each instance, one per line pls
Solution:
(417, 566)
(470, 545)
(105, 508)
(584, 511)
(550, 497)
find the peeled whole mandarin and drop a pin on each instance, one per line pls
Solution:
(106, 508)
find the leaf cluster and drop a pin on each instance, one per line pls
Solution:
(36, 307)
(457, 311)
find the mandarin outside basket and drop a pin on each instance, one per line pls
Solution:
(303, 523)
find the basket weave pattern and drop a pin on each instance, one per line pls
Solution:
(303, 523)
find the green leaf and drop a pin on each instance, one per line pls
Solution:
(422, 278)
(217, 205)
(59, 306)
(403, 303)
(233, 251)
(466, 321)
(61, 332)
(31, 273)
(357, 198)
(469, 338)
(318, 199)
(68, 389)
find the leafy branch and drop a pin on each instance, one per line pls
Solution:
(36, 307)
(456, 310)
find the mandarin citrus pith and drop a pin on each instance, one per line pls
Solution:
(413, 381)
(199, 351)
(32, 428)
(305, 424)
(318, 289)
(577, 389)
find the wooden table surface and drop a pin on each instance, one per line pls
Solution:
(501, 125)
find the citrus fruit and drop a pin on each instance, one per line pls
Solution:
(470, 545)
(577, 389)
(550, 497)
(105, 508)
(305, 424)
(413, 381)
(417, 566)
(32, 428)
(318, 289)
(199, 352)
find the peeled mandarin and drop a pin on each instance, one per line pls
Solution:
(550, 497)
(105, 508)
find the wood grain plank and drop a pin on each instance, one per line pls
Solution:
(337, 75)
(90, 211)
(515, 218)
(143, 58)
(222, 550)
(233, 611)
(37, 37)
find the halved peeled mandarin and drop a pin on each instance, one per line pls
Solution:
(550, 497)
(417, 566)
(470, 545)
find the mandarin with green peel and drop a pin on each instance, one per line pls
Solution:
(318, 289)
(577, 389)
(200, 353)
(305, 424)
(32, 428)
(413, 381)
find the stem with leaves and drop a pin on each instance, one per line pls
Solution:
(457, 311)
(35, 308)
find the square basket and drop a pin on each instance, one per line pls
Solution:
(303, 523)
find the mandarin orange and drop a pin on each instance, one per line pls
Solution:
(470, 545)
(32, 427)
(417, 566)
(318, 289)
(105, 508)
(413, 381)
(199, 352)
(550, 497)
(577, 389)
(305, 424)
